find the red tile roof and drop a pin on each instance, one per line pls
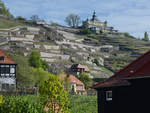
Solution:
(137, 69)
(7, 60)
(75, 80)
(71, 78)
(83, 67)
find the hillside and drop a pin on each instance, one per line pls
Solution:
(61, 47)
(7, 23)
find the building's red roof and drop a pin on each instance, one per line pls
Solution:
(137, 69)
(84, 67)
(79, 66)
(6, 60)
(73, 79)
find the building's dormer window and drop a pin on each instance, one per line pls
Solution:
(2, 58)
(108, 95)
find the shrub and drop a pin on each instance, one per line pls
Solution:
(85, 31)
(21, 104)
(1, 99)
(55, 98)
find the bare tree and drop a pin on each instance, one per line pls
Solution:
(73, 20)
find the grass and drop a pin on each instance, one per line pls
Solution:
(5, 23)
(107, 70)
(83, 104)
(45, 43)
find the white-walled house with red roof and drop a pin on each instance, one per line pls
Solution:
(7, 73)
(76, 86)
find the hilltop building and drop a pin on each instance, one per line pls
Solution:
(40, 22)
(95, 25)
(128, 90)
(7, 73)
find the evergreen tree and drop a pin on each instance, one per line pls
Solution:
(146, 37)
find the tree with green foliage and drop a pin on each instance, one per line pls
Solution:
(85, 78)
(44, 64)
(3, 10)
(146, 37)
(54, 96)
(36, 61)
(24, 74)
(73, 20)
(39, 75)
(20, 18)
(28, 76)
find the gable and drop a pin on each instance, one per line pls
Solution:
(139, 68)
(4, 59)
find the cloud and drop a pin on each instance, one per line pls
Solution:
(125, 15)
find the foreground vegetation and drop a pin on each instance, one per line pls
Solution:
(33, 104)
(83, 104)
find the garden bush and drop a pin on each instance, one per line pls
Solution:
(21, 104)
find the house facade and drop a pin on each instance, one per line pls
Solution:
(128, 90)
(75, 85)
(7, 73)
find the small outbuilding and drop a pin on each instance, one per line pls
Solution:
(128, 91)
(78, 68)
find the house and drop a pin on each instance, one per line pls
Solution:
(128, 90)
(95, 25)
(78, 68)
(40, 22)
(7, 73)
(75, 85)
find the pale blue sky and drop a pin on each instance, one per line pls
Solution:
(131, 16)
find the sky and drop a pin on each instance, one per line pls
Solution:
(131, 16)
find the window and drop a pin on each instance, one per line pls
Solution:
(2, 58)
(108, 95)
(12, 70)
(79, 87)
(5, 70)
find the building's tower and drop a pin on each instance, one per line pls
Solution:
(94, 17)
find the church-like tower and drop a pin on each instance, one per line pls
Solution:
(94, 17)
